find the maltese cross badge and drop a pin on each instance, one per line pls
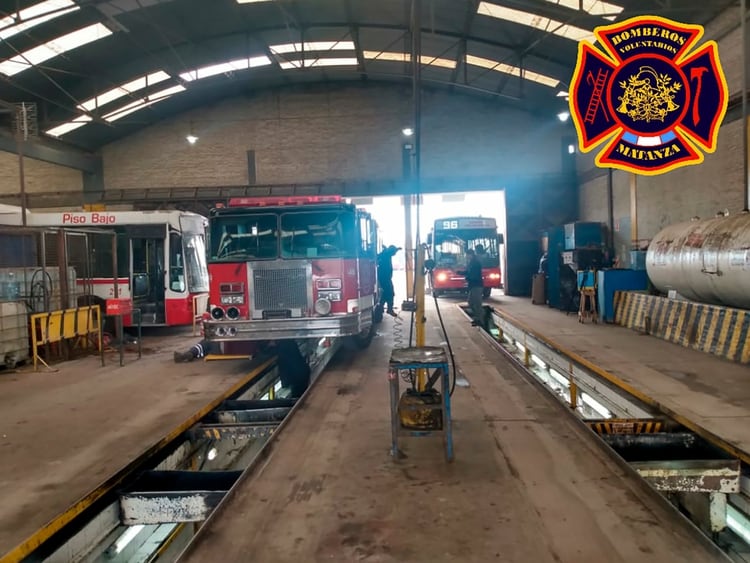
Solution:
(656, 102)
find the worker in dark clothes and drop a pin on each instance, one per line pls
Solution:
(294, 370)
(475, 285)
(196, 351)
(385, 279)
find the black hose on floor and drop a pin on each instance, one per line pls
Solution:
(447, 340)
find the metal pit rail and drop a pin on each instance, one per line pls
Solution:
(152, 507)
(703, 476)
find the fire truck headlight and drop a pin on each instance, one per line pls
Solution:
(322, 306)
(232, 299)
(217, 313)
(233, 313)
(330, 295)
(442, 276)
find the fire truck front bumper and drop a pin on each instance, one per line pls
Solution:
(334, 326)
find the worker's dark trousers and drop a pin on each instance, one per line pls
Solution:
(475, 304)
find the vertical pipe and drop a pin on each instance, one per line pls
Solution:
(420, 320)
(62, 265)
(745, 128)
(634, 209)
(408, 249)
(21, 175)
(610, 211)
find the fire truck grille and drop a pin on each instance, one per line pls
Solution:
(278, 289)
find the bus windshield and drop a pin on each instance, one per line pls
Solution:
(296, 234)
(450, 247)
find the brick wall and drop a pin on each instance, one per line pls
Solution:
(700, 190)
(40, 176)
(328, 133)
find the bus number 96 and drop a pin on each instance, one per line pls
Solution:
(450, 224)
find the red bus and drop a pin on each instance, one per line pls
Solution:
(291, 268)
(448, 242)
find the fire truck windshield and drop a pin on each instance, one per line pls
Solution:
(450, 247)
(286, 234)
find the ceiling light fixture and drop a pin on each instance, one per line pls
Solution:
(407, 131)
(563, 116)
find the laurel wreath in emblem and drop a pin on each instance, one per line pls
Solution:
(648, 96)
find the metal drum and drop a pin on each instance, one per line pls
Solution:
(704, 260)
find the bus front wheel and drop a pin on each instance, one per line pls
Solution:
(486, 292)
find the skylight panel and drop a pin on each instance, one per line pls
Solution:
(51, 49)
(144, 102)
(512, 70)
(68, 126)
(30, 17)
(221, 68)
(351, 61)
(312, 46)
(124, 90)
(537, 22)
(594, 7)
(406, 57)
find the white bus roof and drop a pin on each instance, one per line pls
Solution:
(11, 215)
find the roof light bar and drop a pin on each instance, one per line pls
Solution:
(312, 46)
(512, 70)
(225, 67)
(536, 21)
(124, 90)
(30, 17)
(144, 102)
(594, 7)
(68, 126)
(310, 63)
(406, 57)
(54, 48)
(278, 201)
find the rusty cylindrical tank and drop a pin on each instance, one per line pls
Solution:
(704, 260)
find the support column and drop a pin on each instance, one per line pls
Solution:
(610, 211)
(633, 209)
(745, 126)
(408, 249)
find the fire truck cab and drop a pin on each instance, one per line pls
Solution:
(291, 268)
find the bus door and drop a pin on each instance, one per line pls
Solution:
(147, 259)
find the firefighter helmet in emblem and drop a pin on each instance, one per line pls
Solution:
(656, 101)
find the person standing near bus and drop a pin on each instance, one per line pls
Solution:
(385, 278)
(475, 285)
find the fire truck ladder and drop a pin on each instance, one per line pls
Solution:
(596, 97)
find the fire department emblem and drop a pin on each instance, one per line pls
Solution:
(656, 101)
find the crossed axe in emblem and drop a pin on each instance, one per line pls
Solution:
(697, 74)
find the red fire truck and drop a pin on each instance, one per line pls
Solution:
(291, 268)
(450, 239)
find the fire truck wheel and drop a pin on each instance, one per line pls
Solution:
(486, 292)
(377, 315)
(362, 340)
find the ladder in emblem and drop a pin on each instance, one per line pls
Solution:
(596, 97)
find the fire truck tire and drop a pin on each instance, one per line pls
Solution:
(377, 314)
(486, 292)
(362, 340)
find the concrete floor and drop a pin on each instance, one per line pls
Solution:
(526, 486)
(711, 392)
(64, 433)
